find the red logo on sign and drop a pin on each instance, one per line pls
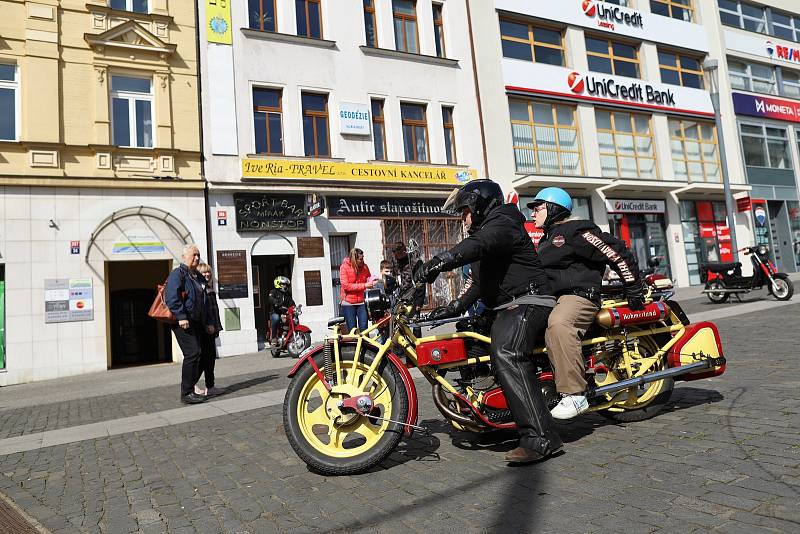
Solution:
(589, 9)
(575, 82)
(222, 215)
(559, 240)
(79, 304)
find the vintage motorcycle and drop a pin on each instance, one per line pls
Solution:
(728, 279)
(351, 398)
(293, 337)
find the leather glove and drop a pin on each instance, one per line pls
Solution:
(634, 294)
(453, 309)
(429, 270)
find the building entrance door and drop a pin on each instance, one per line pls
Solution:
(645, 236)
(781, 236)
(265, 269)
(135, 338)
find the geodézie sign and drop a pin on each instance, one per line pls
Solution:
(354, 119)
(265, 212)
(619, 205)
(768, 107)
(383, 208)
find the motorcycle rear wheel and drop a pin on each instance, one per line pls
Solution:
(330, 447)
(718, 297)
(785, 288)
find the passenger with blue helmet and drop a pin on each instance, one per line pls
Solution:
(574, 254)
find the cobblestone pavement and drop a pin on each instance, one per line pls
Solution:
(723, 457)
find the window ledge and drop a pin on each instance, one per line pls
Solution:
(420, 58)
(288, 38)
(308, 159)
(128, 14)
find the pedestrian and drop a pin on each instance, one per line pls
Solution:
(185, 296)
(355, 279)
(209, 345)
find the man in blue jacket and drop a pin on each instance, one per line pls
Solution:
(186, 298)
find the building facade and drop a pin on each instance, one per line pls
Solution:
(100, 179)
(369, 107)
(609, 100)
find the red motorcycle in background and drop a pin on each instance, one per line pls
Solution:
(293, 337)
(727, 277)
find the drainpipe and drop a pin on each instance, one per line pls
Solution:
(477, 89)
(206, 205)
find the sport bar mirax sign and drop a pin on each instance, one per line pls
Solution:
(265, 212)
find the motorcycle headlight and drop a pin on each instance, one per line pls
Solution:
(762, 250)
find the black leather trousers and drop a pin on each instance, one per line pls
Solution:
(514, 334)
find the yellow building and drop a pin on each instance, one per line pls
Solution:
(100, 179)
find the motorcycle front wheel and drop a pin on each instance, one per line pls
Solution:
(784, 289)
(717, 297)
(331, 443)
(300, 341)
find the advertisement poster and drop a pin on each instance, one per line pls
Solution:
(218, 21)
(67, 300)
(232, 274)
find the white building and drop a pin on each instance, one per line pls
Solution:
(370, 105)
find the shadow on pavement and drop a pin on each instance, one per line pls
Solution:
(232, 388)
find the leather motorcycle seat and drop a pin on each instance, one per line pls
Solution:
(722, 267)
(333, 321)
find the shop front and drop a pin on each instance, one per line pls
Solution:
(641, 225)
(706, 235)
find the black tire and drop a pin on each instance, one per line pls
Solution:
(295, 349)
(785, 286)
(717, 298)
(329, 465)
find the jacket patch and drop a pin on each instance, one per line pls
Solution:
(558, 241)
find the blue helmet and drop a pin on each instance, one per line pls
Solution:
(554, 195)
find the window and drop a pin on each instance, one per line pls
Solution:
(740, 15)
(268, 120)
(309, 18)
(378, 130)
(545, 137)
(677, 9)
(449, 135)
(786, 26)
(765, 146)
(315, 125)
(405, 26)
(137, 6)
(678, 69)
(132, 111)
(623, 3)
(531, 43)
(694, 151)
(791, 83)
(626, 144)
(438, 30)
(262, 15)
(752, 77)
(9, 91)
(611, 57)
(415, 132)
(370, 23)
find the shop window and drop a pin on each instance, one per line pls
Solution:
(793, 210)
(786, 26)
(742, 15)
(791, 83)
(545, 137)
(532, 42)
(438, 30)
(679, 69)
(415, 132)
(9, 102)
(378, 130)
(309, 18)
(695, 157)
(315, 125)
(406, 38)
(752, 77)
(136, 6)
(626, 144)
(449, 135)
(676, 9)
(765, 146)
(706, 236)
(434, 236)
(370, 23)
(267, 121)
(612, 57)
(262, 15)
(132, 111)
(623, 3)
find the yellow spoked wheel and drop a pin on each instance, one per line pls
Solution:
(644, 401)
(338, 441)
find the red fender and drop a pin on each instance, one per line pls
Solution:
(302, 328)
(405, 376)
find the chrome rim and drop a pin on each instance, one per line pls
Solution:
(781, 288)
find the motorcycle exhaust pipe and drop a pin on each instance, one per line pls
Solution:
(441, 404)
(658, 375)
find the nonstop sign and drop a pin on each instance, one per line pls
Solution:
(605, 16)
(618, 205)
(767, 107)
(538, 78)
(758, 45)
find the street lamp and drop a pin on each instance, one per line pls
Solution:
(711, 67)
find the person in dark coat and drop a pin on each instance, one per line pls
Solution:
(507, 277)
(208, 359)
(280, 299)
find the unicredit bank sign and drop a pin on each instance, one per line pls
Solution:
(549, 80)
(619, 205)
(607, 17)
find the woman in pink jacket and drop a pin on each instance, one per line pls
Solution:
(354, 276)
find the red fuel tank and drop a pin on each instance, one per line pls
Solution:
(441, 351)
(622, 315)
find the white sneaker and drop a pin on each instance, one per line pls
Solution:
(570, 406)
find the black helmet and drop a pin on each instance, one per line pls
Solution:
(480, 196)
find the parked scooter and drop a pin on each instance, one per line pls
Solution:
(293, 337)
(729, 280)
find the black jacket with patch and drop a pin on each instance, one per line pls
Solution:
(575, 253)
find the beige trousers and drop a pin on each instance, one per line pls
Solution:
(568, 322)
